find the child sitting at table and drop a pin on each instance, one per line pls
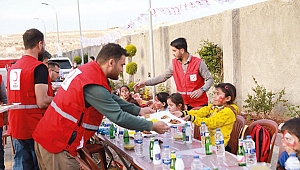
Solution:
(126, 95)
(290, 141)
(221, 114)
(175, 102)
(160, 101)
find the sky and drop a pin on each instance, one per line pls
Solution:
(16, 16)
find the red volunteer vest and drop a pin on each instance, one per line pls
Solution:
(50, 90)
(20, 89)
(1, 114)
(190, 81)
(67, 124)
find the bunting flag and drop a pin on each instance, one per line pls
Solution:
(223, 1)
(143, 17)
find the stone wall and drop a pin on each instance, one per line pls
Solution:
(261, 40)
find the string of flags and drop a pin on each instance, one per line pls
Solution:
(143, 17)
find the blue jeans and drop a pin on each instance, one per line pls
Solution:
(25, 157)
(2, 167)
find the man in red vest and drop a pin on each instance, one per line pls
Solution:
(77, 109)
(27, 83)
(3, 100)
(191, 76)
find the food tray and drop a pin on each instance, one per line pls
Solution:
(158, 116)
(6, 107)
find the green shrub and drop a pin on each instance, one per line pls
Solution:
(131, 68)
(263, 101)
(162, 88)
(77, 59)
(213, 56)
(112, 84)
(130, 86)
(85, 58)
(131, 50)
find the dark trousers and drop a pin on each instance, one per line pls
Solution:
(2, 167)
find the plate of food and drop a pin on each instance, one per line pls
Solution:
(166, 117)
(6, 107)
(144, 133)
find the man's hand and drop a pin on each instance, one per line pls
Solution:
(177, 113)
(197, 93)
(139, 85)
(146, 110)
(160, 127)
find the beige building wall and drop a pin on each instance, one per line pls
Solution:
(261, 40)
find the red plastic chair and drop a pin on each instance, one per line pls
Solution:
(272, 128)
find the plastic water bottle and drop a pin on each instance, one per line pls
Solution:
(179, 165)
(292, 163)
(120, 135)
(138, 140)
(156, 153)
(196, 164)
(173, 131)
(250, 151)
(166, 157)
(203, 130)
(184, 133)
(107, 127)
(219, 138)
(188, 134)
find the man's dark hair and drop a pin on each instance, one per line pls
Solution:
(163, 97)
(179, 43)
(111, 51)
(52, 64)
(92, 57)
(177, 99)
(32, 37)
(292, 126)
(47, 55)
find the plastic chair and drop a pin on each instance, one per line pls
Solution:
(84, 157)
(236, 133)
(272, 128)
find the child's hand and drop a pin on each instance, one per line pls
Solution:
(177, 113)
(187, 118)
(289, 150)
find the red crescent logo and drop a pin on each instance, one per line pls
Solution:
(16, 76)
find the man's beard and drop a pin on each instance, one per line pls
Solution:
(41, 54)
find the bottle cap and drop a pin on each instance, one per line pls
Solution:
(166, 146)
(178, 156)
(218, 129)
(293, 154)
(202, 123)
(155, 142)
(136, 130)
(248, 137)
(196, 156)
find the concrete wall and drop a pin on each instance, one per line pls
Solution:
(261, 40)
